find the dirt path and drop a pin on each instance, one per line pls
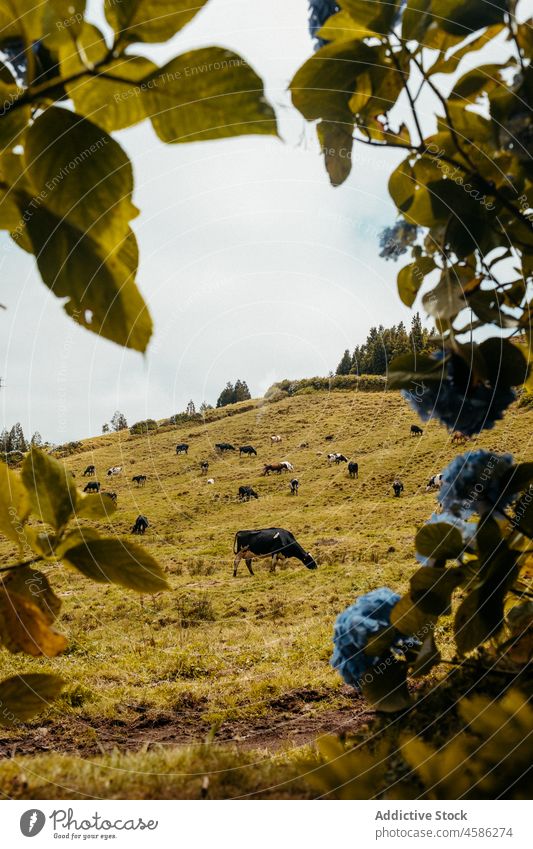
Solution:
(294, 720)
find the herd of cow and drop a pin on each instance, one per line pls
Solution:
(265, 542)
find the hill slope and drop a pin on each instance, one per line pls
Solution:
(244, 658)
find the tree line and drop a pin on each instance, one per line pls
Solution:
(383, 344)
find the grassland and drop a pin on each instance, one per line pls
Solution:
(154, 685)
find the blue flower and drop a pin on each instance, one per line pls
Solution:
(466, 529)
(456, 402)
(319, 12)
(474, 483)
(353, 628)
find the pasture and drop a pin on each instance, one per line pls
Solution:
(224, 675)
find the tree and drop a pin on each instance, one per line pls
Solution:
(190, 409)
(36, 440)
(17, 441)
(345, 363)
(241, 391)
(227, 395)
(105, 428)
(118, 421)
(416, 336)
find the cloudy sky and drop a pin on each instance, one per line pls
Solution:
(253, 266)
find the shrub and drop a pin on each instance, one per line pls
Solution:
(143, 427)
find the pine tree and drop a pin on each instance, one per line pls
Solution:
(345, 363)
(226, 396)
(416, 335)
(4, 441)
(190, 409)
(118, 421)
(36, 440)
(241, 391)
(17, 441)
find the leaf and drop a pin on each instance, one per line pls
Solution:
(409, 369)
(449, 65)
(21, 18)
(341, 26)
(523, 514)
(415, 20)
(22, 696)
(409, 618)
(336, 142)
(119, 562)
(446, 299)
(25, 628)
(51, 490)
(150, 20)
(480, 616)
(506, 364)
(432, 588)
(14, 505)
(346, 773)
(464, 16)
(81, 175)
(440, 541)
(34, 587)
(377, 17)
(62, 21)
(96, 506)
(517, 477)
(427, 657)
(385, 686)
(324, 85)
(411, 277)
(210, 93)
(377, 644)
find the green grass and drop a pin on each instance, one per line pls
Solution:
(221, 652)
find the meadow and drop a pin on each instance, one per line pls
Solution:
(230, 676)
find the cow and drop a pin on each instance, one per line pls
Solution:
(247, 449)
(397, 486)
(353, 469)
(210, 481)
(246, 492)
(140, 480)
(274, 467)
(337, 458)
(275, 439)
(204, 465)
(435, 482)
(111, 495)
(416, 431)
(294, 484)
(182, 448)
(89, 471)
(304, 445)
(287, 467)
(268, 542)
(141, 523)
(459, 438)
(114, 470)
(329, 437)
(224, 446)
(92, 486)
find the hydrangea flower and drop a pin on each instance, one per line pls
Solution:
(466, 529)
(456, 403)
(319, 12)
(472, 483)
(353, 628)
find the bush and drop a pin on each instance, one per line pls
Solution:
(338, 382)
(143, 427)
(67, 449)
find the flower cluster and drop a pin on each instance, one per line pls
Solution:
(369, 614)
(457, 403)
(474, 483)
(466, 529)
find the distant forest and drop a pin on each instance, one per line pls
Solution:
(383, 344)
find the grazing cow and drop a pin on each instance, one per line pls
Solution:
(304, 445)
(416, 431)
(353, 469)
(140, 480)
(435, 482)
(459, 437)
(92, 486)
(114, 470)
(111, 495)
(247, 449)
(275, 439)
(246, 492)
(287, 467)
(182, 448)
(274, 467)
(269, 542)
(397, 486)
(210, 480)
(337, 458)
(204, 465)
(294, 484)
(89, 471)
(329, 437)
(224, 446)
(141, 523)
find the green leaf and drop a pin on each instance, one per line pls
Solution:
(96, 506)
(62, 22)
(411, 277)
(119, 562)
(409, 618)
(376, 16)
(517, 478)
(340, 27)
(22, 696)
(411, 370)
(505, 362)
(336, 142)
(450, 65)
(483, 79)
(50, 487)
(462, 17)
(25, 628)
(34, 586)
(523, 514)
(14, 505)
(427, 657)
(150, 20)
(480, 616)
(385, 686)
(415, 20)
(432, 588)
(21, 18)
(210, 93)
(440, 541)
(378, 644)
(446, 299)
(81, 175)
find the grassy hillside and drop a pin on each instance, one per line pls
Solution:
(242, 661)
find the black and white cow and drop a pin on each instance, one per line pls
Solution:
(397, 486)
(416, 431)
(268, 542)
(294, 484)
(353, 469)
(204, 465)
(337, 458)
(246, 492)
(247, 449)
(92, 486)
(182, 448)
(141, 523)
(111, 495)
(435, 482)
(140, 480)
(89, 471)
(114, 470)
(224, 446)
